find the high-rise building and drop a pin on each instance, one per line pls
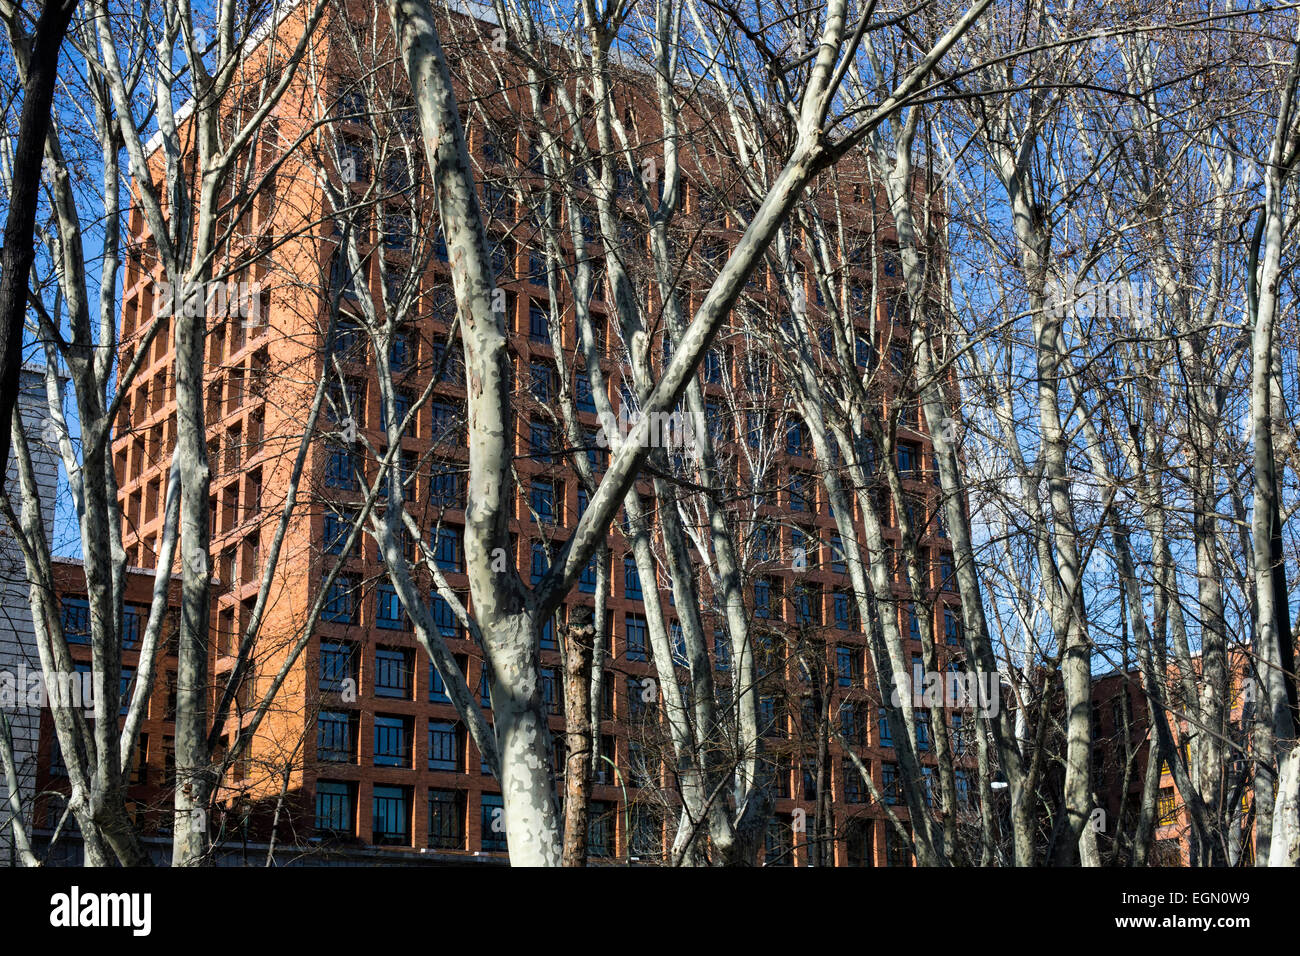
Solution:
(362, 739)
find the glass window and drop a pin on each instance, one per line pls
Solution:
(446, 548)
(340, 601)
(336, 736)
(389, 613)
(392, 741)
(446, 820)
(391, 820)
(637, 637)
(445, 748)
(334, 808)
(492, 821)
(76, 620)
(393, 672)
(338, 663)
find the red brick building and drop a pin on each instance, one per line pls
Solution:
(390, 766)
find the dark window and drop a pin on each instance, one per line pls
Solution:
(444, 617)
(951, 626)
(393, 672)
(445, 749)
(541, 499)
(886, 733)
(447, 549)
(539, 323)
(341, 470)
(848, 665)
(446, 820)
(340, 601)
(391, 820)
(336, 738)
(76, 620)
(389, 613)
(492, 821)
(338, 663)
(334, 808)
(631, 579)
(854, 790)
(392, 741)
(890, 784)
(637, 640)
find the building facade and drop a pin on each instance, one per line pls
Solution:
(363, 750)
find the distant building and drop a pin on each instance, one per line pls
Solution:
(18, 655)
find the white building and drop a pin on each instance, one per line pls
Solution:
(17, 644)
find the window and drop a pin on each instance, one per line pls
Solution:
(540, 563)
(951, 626)
(132, 617)
(844, 611)
(946, 579)
(962, 780)
(392, 741)
(551, 690)
(391, 819)
(393, 672)
(678, 639)
(1166, 807)
(541, 500)
(539, 324)
(763, 598)
(808, 604)
(854, 791)
(631, 579)
(446, 548)
(637, 639)
(958, 736)
(853, 723)
(444, 422)
(890, 784)
(336, 738)
(76, 620)
(540, 441)
(492, 821)
(334, 808)
(898, 852)
(338, 663)
(341, 470)
(922, 730)
(445, 486)
(541, 381)
(636, 703)
(909, 459)
(446, 820)
(340, 601)
(927, 779)
(600, 829)
(886, 733)
(721, 650)
(588, 580)
(712, 367)
(389, 613)
(444, 617)
(913, 623)
(778, 849)
(445, 750)
(337, 527)
(848, 665)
